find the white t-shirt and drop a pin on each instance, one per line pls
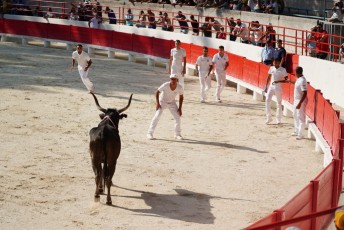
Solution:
(82, 59)
(94, 22)
(204, 63)
(167, 95)
(220, 62)
(244, 33)
(300, 87)
(177, 59)
(277, 75)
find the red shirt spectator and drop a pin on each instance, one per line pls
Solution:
(321, 38)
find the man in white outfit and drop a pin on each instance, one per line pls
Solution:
(300, 103)
(204, 66)
(84, 63)
(177, 63)
(278, 75)
(220, 60)
(165, 99)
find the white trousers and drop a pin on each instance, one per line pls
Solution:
(221, 83)
(299, 118)
(174, 111)
(83, 74)
(277, 91)
(205, 84)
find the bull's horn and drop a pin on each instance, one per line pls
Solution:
(125, 108)
(98, 106)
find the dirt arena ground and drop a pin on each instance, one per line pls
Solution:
(230, 170)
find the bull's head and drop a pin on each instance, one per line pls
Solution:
(113, 114)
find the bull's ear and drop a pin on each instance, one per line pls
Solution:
(102, 115)
(123, 116)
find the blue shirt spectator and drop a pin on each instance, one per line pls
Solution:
(267, 54)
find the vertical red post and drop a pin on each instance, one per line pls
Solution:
(279, 216)
(314, 203)
(337, 171)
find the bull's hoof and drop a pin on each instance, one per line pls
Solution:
(101, 190)
(96, 198)
(109, 202)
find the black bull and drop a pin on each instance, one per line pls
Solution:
(105, 147)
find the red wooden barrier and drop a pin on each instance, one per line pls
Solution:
(102, 37)
(319, 111)
(2, 29)
(329, 114)
(336, 135)
(142, 44)
(251, 72)
(294, 64)
(15, 27)
(236, 65)
(162, 48)
(59, 32)
(264, 221)
(286, 88)
(263, 73)
(81, 35)
(310, 109)
(196, 51)
(122, 41)
(293, 78)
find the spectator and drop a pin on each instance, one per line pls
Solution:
(184, 27)
(142, 19)
(37, 12)
(206, 28)
(49, 14)
(241, 31)
(311, 42)
(129, 17)
(98, 10)
(160, 18)
(95, 21)
(151, 19)
(111, 15)
(251, 4)
(337, 13)
(267, 54)
(280, 53)
(167, 23)
(222, 34)
(322, 42)
(73, 16)
(269, 35)
(195, 25)
(251, 29)
(258, 7)
(341, 53)
(258, 33)
(216, 25)
(231, 23)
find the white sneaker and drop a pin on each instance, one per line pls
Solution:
(178, 137)
(293, 134)
(150, 136)
(202, 101)
(299, 137)
(268, 121)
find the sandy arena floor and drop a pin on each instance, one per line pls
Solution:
(230, 170)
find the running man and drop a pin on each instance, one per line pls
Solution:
(84, 63)
(177, 63)
(300, 103)
(279, 76)
(165, 99)
(220, 60)
(204, 66)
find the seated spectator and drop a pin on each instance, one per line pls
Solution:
(337, 15)
(94, 22)
(129, 17)
(166, 23)
(258, 7)
(184, 27)
(111, 15)
(311, 42)
(241, 31)
(206, 28)
(222, 34)
(267, 54)
(195, 25)
(341, 53)
(142, 19)
(151, 19)
(231, 23)
(321, 38)
(49, 14)
(251, 4)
